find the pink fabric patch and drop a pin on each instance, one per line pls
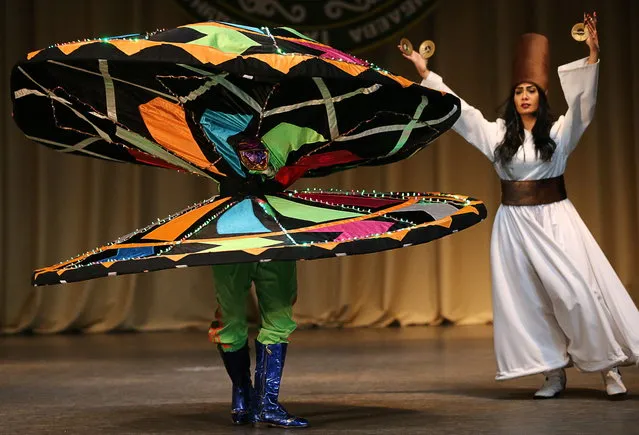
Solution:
(358, 229)
(333, 53)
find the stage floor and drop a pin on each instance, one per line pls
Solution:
(415, 380)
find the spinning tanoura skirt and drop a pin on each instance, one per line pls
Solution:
(254, 109)
(299, 225)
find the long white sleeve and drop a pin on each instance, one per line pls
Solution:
(471, 125)
(579, 83)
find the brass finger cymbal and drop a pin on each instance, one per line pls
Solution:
(579, 32)
(406, 46)
(427, 49)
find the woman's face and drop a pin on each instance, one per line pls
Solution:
(526, 99)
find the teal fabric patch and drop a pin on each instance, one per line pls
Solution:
(219, 126)
(240, 219)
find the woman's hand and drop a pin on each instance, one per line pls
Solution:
(421, 64)
(590, 20)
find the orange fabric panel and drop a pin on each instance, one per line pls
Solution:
(130, 47)
(176, 258)
(402, 81)
(469, 209)
(172, 230)
(255, 251)
(349, 68)
(398, 235)
(329, 246)
(32, 54)
(166, 122)
(446, 222)
(355, 70)
(282, 63)
(70, 48)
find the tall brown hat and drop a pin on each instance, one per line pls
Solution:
(532, 60)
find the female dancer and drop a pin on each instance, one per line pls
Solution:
(557, 300)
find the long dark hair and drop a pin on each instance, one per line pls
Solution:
(514, 137)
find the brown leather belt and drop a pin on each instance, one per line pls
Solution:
(533, 192)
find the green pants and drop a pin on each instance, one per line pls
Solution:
(276, 288)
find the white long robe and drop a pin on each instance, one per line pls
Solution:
(556, 298)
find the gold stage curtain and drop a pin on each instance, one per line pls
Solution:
(55, 206)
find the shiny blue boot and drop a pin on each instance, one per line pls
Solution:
(268, 374)
(238, 366)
